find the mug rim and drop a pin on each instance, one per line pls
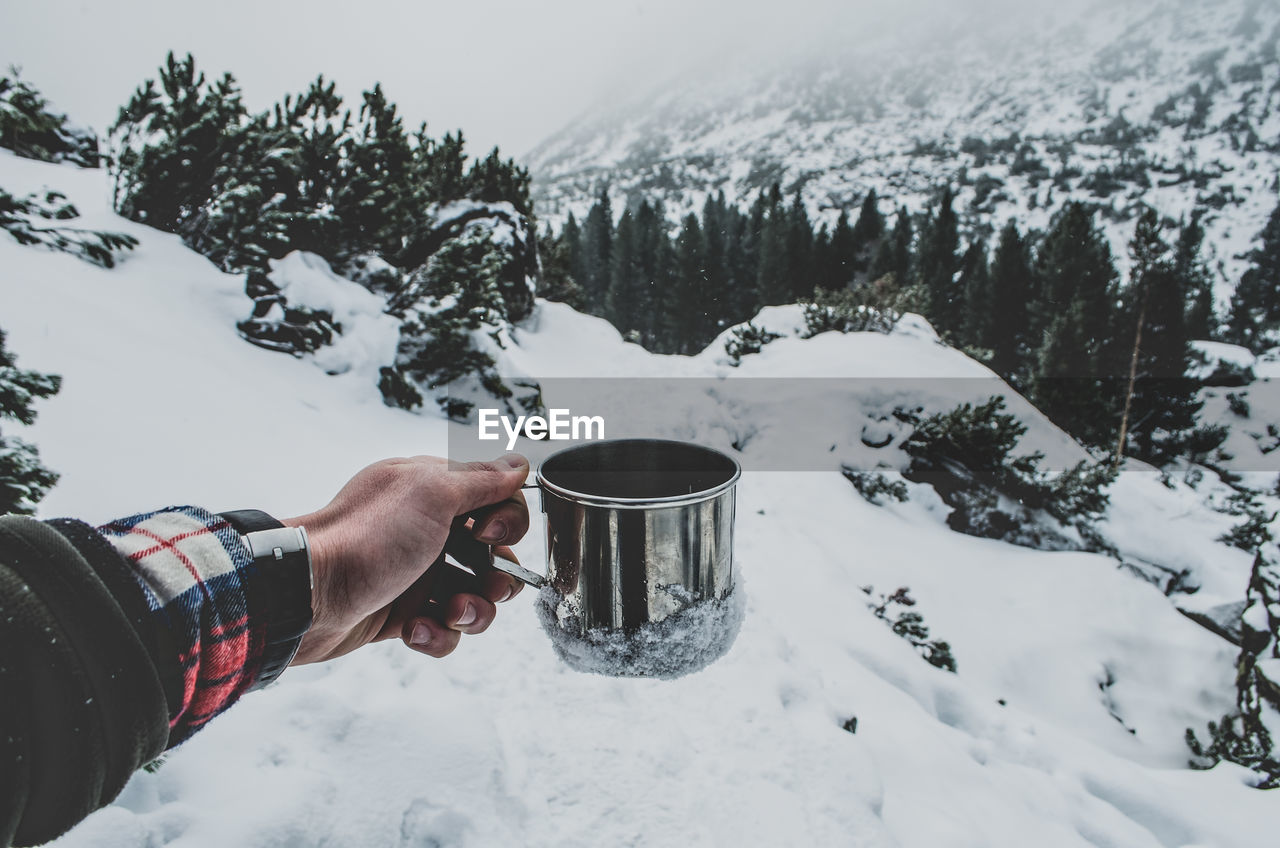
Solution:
(587, 498)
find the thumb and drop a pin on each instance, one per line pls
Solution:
(484, 483)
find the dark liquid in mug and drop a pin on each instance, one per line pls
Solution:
(638, 469)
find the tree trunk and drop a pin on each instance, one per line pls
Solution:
(1133, 373)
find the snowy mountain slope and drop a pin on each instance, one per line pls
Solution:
(1172, 103)
(1060, 655)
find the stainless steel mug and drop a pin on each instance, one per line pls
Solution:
(637, 530)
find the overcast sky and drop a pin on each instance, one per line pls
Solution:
(508, 72)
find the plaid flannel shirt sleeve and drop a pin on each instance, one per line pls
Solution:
(198, 580)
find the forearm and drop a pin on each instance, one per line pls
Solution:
(82, 701)
(205, 603)
(115, 644)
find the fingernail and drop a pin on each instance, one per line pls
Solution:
(421, 636)
(511, 590)
(513, 460)
(467, 618)
(495, 531)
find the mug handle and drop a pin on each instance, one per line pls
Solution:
(469, 552)
(464, 561)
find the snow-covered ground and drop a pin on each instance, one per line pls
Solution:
(1063, 726)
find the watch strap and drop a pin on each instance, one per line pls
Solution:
(280, 586)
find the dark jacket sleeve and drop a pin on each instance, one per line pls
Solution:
(82, 703)
(116, 643)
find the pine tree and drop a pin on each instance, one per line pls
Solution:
(557, 281)
(377, 202)
(365, 195)
(457, 292)
(978, 329)
(314, 125)
(24, 481)
(868, 232)
(30, 128)
(1195, 279)
(1011, 290)
(842, 255)
(442, 166)
(239, 189)
(826, 273)
(799, 251)
(746, 272)
(35, 220)
(254, 210)
(937, 264)
(894, 255)
(571, 237)
(173, 144)
(1073, 318)
(685, 318)
(1161, 403)
(715, 300)
(657, 265)
(773, 276)
(1255, 307)
(624, 302)
(740, 275)
(597, 245)
(495, 180)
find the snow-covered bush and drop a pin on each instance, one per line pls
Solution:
(24, 217)
(849, 311)
(23, 480)
(1238, 404)
(387, 208)
(1227, 374)
(967, 455)
(875, 486)
(1244, 736)
(1254, 532)
(459, 294)
(29, 128)
(894, 610)
(746, 340)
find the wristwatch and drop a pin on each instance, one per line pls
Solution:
(279, 586)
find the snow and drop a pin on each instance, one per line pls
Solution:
(1221, 352)
(369, 336)
(503, 743)
(686, 641)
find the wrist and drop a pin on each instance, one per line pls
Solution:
(278, 585)
(318, 642)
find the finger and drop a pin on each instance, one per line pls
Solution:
(430, 637)
(484, 483)
(412, 602)
(503, 523)
(469, 614)
(500, 586)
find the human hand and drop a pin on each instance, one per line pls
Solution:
(373, 545)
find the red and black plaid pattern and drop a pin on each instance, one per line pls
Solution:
(195, 572)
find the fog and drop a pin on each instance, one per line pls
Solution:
(508, 72)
